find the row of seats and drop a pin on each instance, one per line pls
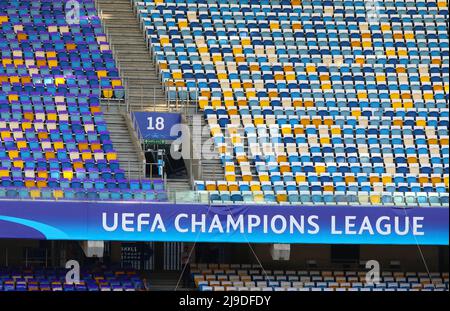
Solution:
(107, 194)
(278, 7)
(316, 197)
(55, 280)
(226, 277)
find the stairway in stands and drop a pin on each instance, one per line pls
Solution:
(210, 164)
(167, 281)
(143, 87)
(125, 143)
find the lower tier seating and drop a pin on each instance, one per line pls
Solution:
(54, 280)
(247, 277)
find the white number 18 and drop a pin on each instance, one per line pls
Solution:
(159, 124)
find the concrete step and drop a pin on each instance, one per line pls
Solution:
(178, 185)
(122, 141)
(164, 281)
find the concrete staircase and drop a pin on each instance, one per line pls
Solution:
(167, 281)
(178, 185)
(125, 143)
(209, 167)
(143, 87)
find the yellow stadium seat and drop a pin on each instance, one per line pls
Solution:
(282, 197)
(52, 63)
(286, 130)
(4, 173)
(230, 177)
(18, 163)
(3, 19)
(246, 41)
(13, 154)
(13, 97)
(428, 96)
(21, 144)
(436, 180)
(60, 81)
(229, 168)
(374, 179)
(349, 179)
(182, 24)
(300, 178)
(233, 187)
(409, 36)
(35, 193)
(217, 58)
(421, 122)
(274, 25)
(22, 36)
(423, 180)
(18, 62)
(336, 131)
(164, 41)
(42, 174)
(320, 169)
(255, 187)
(385, 27)
(52, 116)
(222, 187)
(375, 198)
(107, 93)
(264, 177)
(325, 140)
(285, 168)
(177, 75)
(111, 156)
(390, 52)
(41, 183)
(58, 194)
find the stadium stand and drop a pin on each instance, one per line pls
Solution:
(248, 277)
(55, 280)
(54, 139)
(313, 102)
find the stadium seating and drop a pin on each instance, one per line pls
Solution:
(248, 277)
(54, 139)
(313, 101)
(55, 280)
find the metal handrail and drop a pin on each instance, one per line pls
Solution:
(204, 197)
(137, 130)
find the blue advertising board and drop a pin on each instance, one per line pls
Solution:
(115, 221)
(158, 125)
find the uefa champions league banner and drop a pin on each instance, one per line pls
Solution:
(237, 223)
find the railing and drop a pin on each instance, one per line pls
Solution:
(137, 130)
(28, 258)
(397, 199)
(151, 171)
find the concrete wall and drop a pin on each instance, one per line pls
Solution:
(409, 256)
(12, 251)
(434, 258)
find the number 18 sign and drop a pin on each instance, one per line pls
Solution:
(157, 125)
